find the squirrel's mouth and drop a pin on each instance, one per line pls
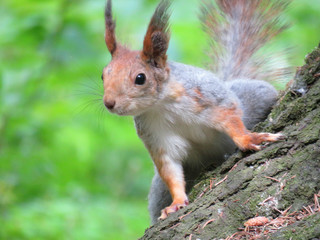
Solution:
(127, 112)
(120, 112)
(127, 108)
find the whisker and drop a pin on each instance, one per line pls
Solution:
(91, 87)
(101, 114)
(88, 94)
(88, 104)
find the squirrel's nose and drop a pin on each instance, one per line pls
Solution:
(110, 104)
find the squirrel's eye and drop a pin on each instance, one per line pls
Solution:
(140, 79)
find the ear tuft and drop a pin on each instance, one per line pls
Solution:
(110, 37)
(156, 41)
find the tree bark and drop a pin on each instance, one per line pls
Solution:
(265, 183)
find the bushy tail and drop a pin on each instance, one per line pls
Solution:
(237, 30)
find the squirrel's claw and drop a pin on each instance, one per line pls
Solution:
(254, 147)
(253, 141)
(270, 137)
(174, 207)
(277, 137)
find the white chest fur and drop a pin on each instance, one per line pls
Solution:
(183, 135)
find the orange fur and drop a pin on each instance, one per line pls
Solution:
(178, 90)
(230, 121)
(176, 187)
(110, 37)
(116, 73)
(199, 103)
(156, 40)
(125, 94)
(198, 92)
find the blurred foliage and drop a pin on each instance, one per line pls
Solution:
(69, 170)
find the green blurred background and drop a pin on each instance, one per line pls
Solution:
(68, 169)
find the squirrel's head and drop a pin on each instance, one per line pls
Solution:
(133, 80)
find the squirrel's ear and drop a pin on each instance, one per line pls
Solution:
(156, 41)
(110, 37)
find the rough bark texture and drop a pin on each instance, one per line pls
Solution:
(283, 174)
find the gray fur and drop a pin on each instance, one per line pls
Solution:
(237, 34)
(208, 83)
(159, 197)
(186, 116)
(255, 99)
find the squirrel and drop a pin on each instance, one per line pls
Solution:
(187, 117)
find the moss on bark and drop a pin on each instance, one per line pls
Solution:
(283, 174)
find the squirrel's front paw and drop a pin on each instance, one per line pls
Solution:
(253, 141)
(174, 207)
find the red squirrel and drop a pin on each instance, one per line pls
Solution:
(188, 117)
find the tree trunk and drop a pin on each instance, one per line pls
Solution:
(281, 182)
